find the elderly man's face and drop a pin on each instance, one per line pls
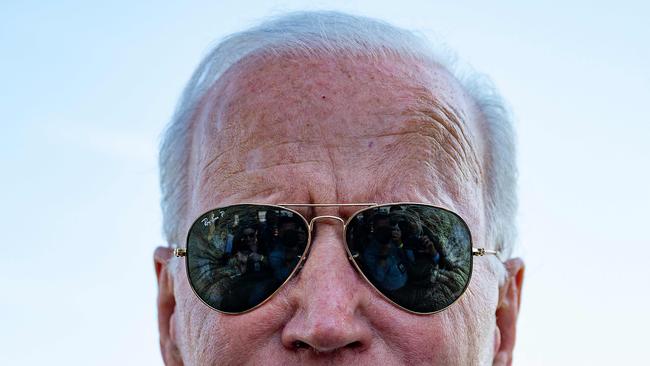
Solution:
(325, 131)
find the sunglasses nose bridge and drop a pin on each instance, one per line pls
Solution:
(313, 221)
(325, 217)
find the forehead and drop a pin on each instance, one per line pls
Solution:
(322, 129)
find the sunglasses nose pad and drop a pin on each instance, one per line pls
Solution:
(301, 262)
(352, 257)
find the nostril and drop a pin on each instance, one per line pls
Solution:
(297, 345)
(353, 345)
(300, 345)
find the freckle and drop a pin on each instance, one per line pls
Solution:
(323, 97)
(370, 144)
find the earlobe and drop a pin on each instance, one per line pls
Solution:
(507, 312)
(166, 306)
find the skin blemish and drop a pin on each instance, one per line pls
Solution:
(370, 144)
(323, 97)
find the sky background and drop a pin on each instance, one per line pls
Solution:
(87, 88)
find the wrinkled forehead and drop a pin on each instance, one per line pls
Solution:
(282, 90)
(266, 112)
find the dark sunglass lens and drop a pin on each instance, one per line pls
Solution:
(418, 256)
(238, 256)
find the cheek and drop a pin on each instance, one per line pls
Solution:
(197, 330)
(479, 305)
(461, 335)
(207, 337)
(432, 340)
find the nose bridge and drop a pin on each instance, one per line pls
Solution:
(328, 250)
(330, 298)
(312, 223)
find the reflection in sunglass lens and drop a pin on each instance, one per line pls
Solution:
(418, 256)
(238, 256)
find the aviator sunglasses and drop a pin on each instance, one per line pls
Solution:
(417, 256)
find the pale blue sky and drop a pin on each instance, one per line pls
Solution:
(86, 90)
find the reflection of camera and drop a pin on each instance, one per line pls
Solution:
(290, 232)
(426, 245)
(421, 242)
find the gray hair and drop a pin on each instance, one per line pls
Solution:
(338, 34)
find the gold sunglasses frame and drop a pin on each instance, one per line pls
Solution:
(476, 252)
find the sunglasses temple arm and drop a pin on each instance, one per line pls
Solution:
(480, 252)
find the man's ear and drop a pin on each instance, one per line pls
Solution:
(166, 306)
(507, 312)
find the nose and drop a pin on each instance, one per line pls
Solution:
(330, 299)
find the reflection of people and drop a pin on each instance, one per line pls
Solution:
(286, 251)
(214, 238)
(248, 256)
(226, 239)
(385, 256)
(325, 107)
